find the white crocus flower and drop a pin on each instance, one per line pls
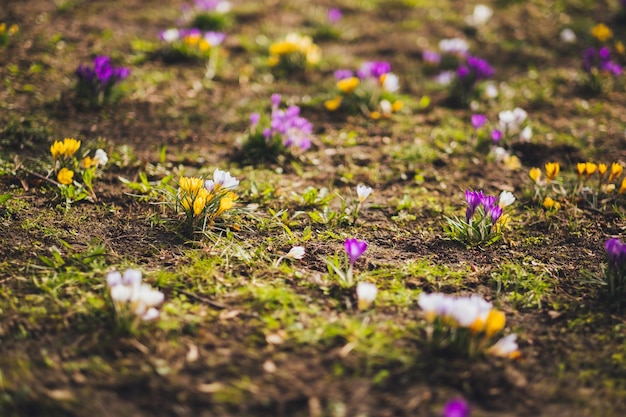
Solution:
(366, 294)
(506, 199)
(491, 91)
(100, 157)
(363, 191)
(445, 77)
(223, 7)
(505, 347)
(391, 82)
(526, 135)
(170, 35)
(454, 46)
(130, 295)
(221, 179)
(297, 252)
(567, 35)
(481, 15)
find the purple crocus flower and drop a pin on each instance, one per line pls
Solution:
(254, 120)
(374, 69)
(431, 57)
(334, 15)
(473, 198)
(496, 135)
(480, 68)
(343, 74)
(495, 212)
(456, 408)
(275, 99)
(489, 201)
(615, 252)
(478, 120)
(462, 72)
(354, 249)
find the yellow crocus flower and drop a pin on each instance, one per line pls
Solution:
(535, 174)
(57, 149)
(198, 205)
(580, 168)
(550, 204)
(70, 146)
(397, 106)
(13, 29)
(88, 162)
(622, 187)
(191, 185)
(619, 47)
(495, 322)
(227, 202)
(602, 169)
(601, 32)
(332, 105)
(65, 176)
(616, 171)
(590, 168)
(375, 115)
(552, 170)
(348, 85)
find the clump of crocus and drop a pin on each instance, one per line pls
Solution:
(293, 54)
(512, 126)
(202, 201)
(458, 69)
(362, 193)
(615, 272)
(484, 218)
(372, 90)
(192, 44)
(74, 174)
(134, 302)
(354, 248)
(208, 14)
(328, 27)
(599, 67)
(272, 136)
(596, 184)
(98, 83)
(466, 325)
(7, 33)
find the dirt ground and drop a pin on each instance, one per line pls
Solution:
(240, 336)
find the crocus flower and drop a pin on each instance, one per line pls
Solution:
(221, 179)
(129, 294)
(478, 120)
(552, 170)
(616, 171)
(496, 135)
(480, 16)
(297, 252)
(567, 35)
(343, 74)
(535, 174)
(334, 15)
(354, 248)
(456, 408)
(362, 192)
(473, 198)
(365, 294)
(494, 212)
(505, 347)
(506, 199)
(65, 176)
(431, 57)
(455, 46)
(100, 157)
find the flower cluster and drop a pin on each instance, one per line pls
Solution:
(7, 33)
(466, 324)
(271, 136)
(208, 14)
(203, 201)
(65, 164)
(183, 44)
(484, 218)
(598, 63)
(615, 273)
(133, 300)
(293, 54)
(512, 125)
(597, 184)
(97, 84)
(458, 69)
(372, 90)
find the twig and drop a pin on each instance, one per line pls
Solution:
(204, 300)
